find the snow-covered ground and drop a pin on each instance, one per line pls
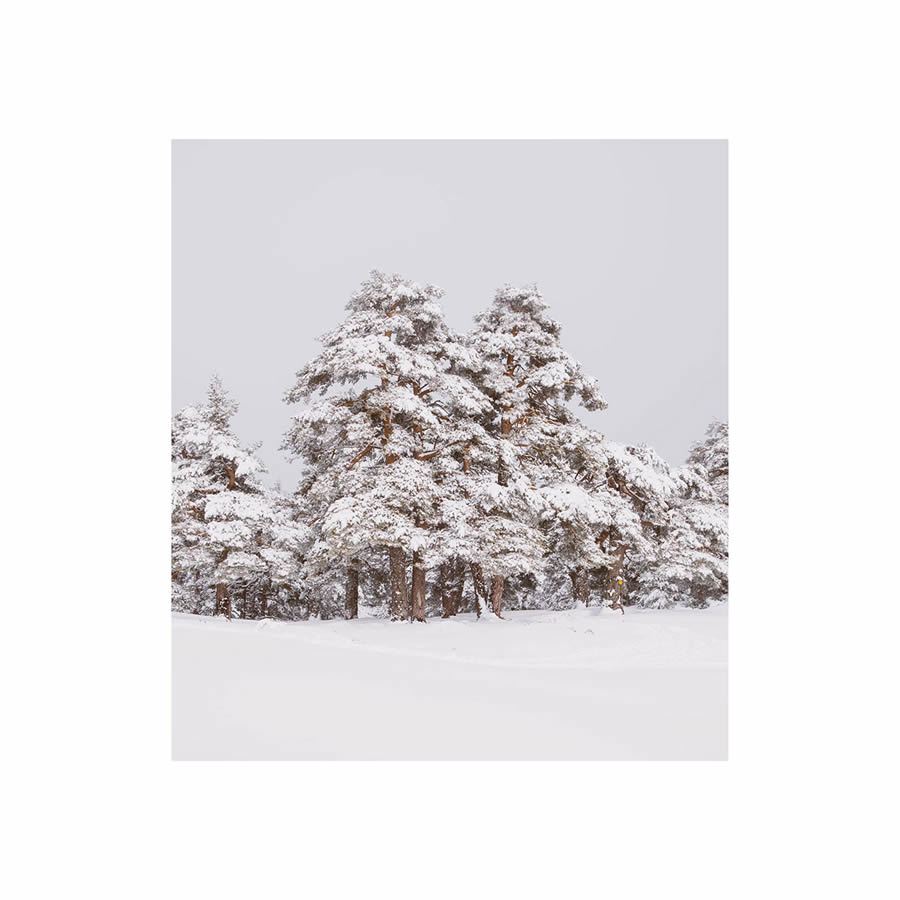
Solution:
(588, 684)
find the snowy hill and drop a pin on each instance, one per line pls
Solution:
(588, 684)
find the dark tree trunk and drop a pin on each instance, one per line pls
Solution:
(445, 587)
(220, 599)
(351, 598)
(452, 580)
(399, 598)
(418, 586)
(263, 603)
(581, 586)
(479, 587)
(603, 580)
(458, 570)
(497, 594)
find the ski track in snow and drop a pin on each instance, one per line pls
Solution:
(579, 684)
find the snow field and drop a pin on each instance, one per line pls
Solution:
(579, 684)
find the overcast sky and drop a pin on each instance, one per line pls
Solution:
(627, 241)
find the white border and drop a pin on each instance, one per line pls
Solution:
(96, 91)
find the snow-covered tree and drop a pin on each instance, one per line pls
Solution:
(710, 457)
(490, 527)
(458, 456)
(228, 532)
(530, 379)
(690, 563)
(387, 373)
(596, 516)
(259, 542)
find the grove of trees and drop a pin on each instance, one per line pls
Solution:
(441, 473)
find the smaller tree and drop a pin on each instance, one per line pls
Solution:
(229, 534)
(257, 543)
(710, 457)
(690, 563)
(638, 489)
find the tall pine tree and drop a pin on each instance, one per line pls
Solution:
(390, 389)
(530, 379)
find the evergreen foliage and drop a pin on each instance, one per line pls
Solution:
(441, 473)
(232, 539)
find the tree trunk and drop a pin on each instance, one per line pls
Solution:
(220, 599)
(399, 599)
(497, 595)
(581, 587)
(445, 586)
(459, 580)
(351, 597)
(452, 579)
(263, 603)
(603, 581)
(479, 587)
(418, 586)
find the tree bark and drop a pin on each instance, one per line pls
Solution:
(263, 603)
(418, 586)
(459, 582)
(452, 580)
(603, 579)
(480, 588)
(445, 588)
(581, 587)
(399, 598)
(220, 599)
(497, 595)
(351, 597)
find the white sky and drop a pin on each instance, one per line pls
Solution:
(626, 239)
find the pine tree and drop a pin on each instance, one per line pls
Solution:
(710, 457)
(529, 379)
(387, 373)
(599, 517)
(573, 515)
(487, 527)
(690, 565)
(427, 450)
(229, 534)
(641, 480)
